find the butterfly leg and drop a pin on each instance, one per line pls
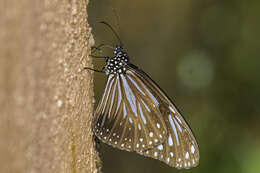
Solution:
(100, 71)
(94, 56)
(100, 46)
(97, 48)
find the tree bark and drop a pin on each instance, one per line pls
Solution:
(46, 99)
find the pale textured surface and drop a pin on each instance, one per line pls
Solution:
(46, 100)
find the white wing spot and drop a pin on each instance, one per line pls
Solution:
(125, 139)
(170, 140)
(101, 133)
(139, 126)
(105, 137)
(137, 145)
(155, 140)
(114, 134)
(141, 139)
(187, 156)
(158, 125)
(168, 159)
(122, 145)
(160, 147)
(110, 140)
(115, 142)
(150, 142)
(143, 145)
(130, 120)
(160, 136)
(155, 153)
(171, 153)
(179, 159)
(192, 149)
(151, 134)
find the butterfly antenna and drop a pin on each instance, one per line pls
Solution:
(112, 29)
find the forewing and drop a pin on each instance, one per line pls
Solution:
(180, 150)
(128, 116)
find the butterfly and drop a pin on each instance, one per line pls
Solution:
(135, 114)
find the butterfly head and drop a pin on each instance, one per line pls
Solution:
(117, 64)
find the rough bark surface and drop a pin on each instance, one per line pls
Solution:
(46, 99)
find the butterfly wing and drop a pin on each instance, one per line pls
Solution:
(128, 116)
(180, 150)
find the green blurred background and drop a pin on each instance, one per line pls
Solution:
(205, 55)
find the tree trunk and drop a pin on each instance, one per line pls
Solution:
(46, 99)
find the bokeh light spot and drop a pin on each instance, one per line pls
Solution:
(195, 70)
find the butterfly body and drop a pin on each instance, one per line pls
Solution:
(134, 114)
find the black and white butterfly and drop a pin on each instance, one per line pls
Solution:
(134, 114)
